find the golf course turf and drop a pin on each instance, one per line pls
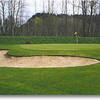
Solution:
(51, 81)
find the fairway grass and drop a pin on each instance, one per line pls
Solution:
(57, 81)
(52, 81)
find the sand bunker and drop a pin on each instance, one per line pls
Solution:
(43, 61)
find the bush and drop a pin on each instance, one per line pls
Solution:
(28, 42)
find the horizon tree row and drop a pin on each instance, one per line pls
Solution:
(84, 18)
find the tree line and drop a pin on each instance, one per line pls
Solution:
(85, 18)
(10, 16)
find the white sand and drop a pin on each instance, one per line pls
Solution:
(43, 61)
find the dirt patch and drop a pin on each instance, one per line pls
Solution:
(43, 61)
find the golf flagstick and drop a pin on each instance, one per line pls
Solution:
(77, 41)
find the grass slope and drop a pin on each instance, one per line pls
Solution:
(83, 50)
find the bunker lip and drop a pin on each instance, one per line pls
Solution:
(44, 61)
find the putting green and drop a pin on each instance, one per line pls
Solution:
(79, 50)
(61, 46)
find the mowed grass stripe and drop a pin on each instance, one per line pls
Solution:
(82, 50)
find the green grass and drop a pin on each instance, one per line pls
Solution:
(64, 81)
(51, 81)
(47, 40)
(82, 50)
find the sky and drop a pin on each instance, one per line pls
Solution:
(30, 6)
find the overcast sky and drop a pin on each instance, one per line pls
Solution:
(30, 5)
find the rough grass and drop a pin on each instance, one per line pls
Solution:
(47, 40)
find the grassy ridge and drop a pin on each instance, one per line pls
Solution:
(83, 50)
(47, 40)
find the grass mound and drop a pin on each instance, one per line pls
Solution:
(81, 50)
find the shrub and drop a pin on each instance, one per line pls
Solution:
(28, 42)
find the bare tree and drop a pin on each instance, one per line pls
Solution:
(49, 9)
(66, 6)
(93, 4)
(66, 12)
(3, 13)
(43, 7)
(20, 15)
(73, 16)
(0, 25)
(52, 6)
(35, 4)
(62, 6)
(84, 13)
(78, 13)
(14, 8)
(73, 7)
(99, 7)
